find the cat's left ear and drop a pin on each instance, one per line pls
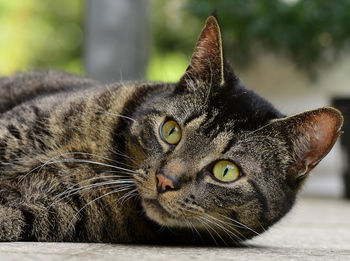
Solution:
(207, 62)
(310, 136)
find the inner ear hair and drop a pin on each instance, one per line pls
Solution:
(207, 62)
(311, 135)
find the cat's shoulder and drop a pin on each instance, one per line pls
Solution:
(22, 87)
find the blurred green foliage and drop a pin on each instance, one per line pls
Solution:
(49, 33)
(41, 34)
(172, 41)
(167, 67)
(309, 32)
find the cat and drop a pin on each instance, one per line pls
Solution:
(204, 160)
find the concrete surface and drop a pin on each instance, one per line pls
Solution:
(317, 229)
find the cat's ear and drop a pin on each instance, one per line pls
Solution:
(310, 136)
(207, 62)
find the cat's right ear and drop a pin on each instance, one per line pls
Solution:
(310, 136)
(207, 62)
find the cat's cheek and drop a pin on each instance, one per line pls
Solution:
(157, 214)
(145, 185)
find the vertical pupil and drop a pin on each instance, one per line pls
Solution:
(225, 172)
(171, 131)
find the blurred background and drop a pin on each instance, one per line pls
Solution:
(295, 53)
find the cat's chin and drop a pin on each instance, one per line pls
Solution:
(156, 212)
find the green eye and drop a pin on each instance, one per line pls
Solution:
(171, 132)
(226, 171)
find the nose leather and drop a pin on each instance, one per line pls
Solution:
(164, 183)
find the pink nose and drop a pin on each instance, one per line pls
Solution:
(164, 183)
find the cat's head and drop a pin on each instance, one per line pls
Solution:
(216, 156)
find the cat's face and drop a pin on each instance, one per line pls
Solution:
(216, 156)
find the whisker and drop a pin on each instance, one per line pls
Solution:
(226, 230)
(94, 178)
(191, 226)
(117, 115)
(215, 224)
(72, 192)
(241, 224)
(52, 161)
(229, 225)
(127, 196)
(95, 185)
(100, 163)
(195, 229)
(95, 155)
(224, 226)
(224, 222)
(262, 226)
(92, 201)
(119, 153)
(87, 161)
(117, 171)
(204, 223)
(100, 177)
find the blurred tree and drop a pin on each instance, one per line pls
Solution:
(49, 34)
(172, 40)
(116, 39)
(310, 33)
(41, 34)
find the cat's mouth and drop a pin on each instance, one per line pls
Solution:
(155, 211)
(155, 204)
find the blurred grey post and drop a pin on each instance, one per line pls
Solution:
(116, 39)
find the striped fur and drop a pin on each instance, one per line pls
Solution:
(78, 159)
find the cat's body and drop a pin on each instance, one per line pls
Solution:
(57, 116)
(85, 161)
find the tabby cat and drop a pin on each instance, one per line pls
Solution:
(204, 160)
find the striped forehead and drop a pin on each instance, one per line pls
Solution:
(185, 106)
(222, 138)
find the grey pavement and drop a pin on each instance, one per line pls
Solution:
(317, 229)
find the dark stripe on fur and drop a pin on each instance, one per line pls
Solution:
(262, 199)
(3, 146)
(229, 145)
(123, 124)
(210, 124)
(149, 112)
(27, 232)
(14, 131)
(192, 117)
(39, 130)
(22, 88)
